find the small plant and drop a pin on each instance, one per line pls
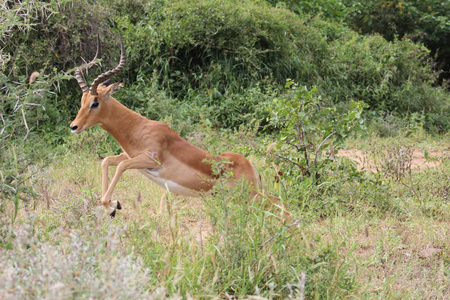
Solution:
(311, 133)
(392, 161)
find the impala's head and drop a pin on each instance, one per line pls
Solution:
(95, 98)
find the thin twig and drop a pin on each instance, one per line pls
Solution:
(299, 148)
(289, 160)
(293, 224)
(320, 146)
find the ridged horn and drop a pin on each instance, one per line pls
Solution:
(110, 73)
(79, 72)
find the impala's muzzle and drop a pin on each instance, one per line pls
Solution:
(74, 129)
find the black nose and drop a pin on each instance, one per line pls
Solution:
(74, 127)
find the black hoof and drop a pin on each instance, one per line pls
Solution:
(113, 214)
(118, 205)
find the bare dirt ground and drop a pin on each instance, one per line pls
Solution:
(416, 157)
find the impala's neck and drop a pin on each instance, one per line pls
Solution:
(120, 121)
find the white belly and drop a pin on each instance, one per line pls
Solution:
(168, 185)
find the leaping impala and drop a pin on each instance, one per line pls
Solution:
(151, 147)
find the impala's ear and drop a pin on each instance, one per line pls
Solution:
(112, 88)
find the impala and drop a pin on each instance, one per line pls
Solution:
(152, 147)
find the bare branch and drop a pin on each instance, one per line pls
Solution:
(320, 146)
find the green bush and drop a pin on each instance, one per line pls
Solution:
(310, 134)
(370, 69)
(427, 22)
(216, 60)
(22, 107)
(228, 110)
(217, 45)
(208, 50)
(335, 10)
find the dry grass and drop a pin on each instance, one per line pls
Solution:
(413, 157)
(358, 247)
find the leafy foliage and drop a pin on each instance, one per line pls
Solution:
(22, 108)
(217, 45)
(209, 63)
(427, 22)
(208, 52)
(332, 9)
(310, 135)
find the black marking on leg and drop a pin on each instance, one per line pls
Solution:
(118, 205)
(113, 214)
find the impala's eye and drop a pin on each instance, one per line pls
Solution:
(94, 104)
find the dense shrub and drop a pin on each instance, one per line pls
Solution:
(219, 45)
(22, 107)
(217, 59)
(25, 103)
(427, 22)
(204, 55)
(332, 9)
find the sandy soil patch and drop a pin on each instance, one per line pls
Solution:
(418, 160)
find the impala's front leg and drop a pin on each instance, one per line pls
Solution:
(142, 161)
(106, 163)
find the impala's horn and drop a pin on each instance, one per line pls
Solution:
(107, 82)
(110, 73)
(79, 72)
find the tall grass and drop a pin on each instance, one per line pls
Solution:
(372, 240)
